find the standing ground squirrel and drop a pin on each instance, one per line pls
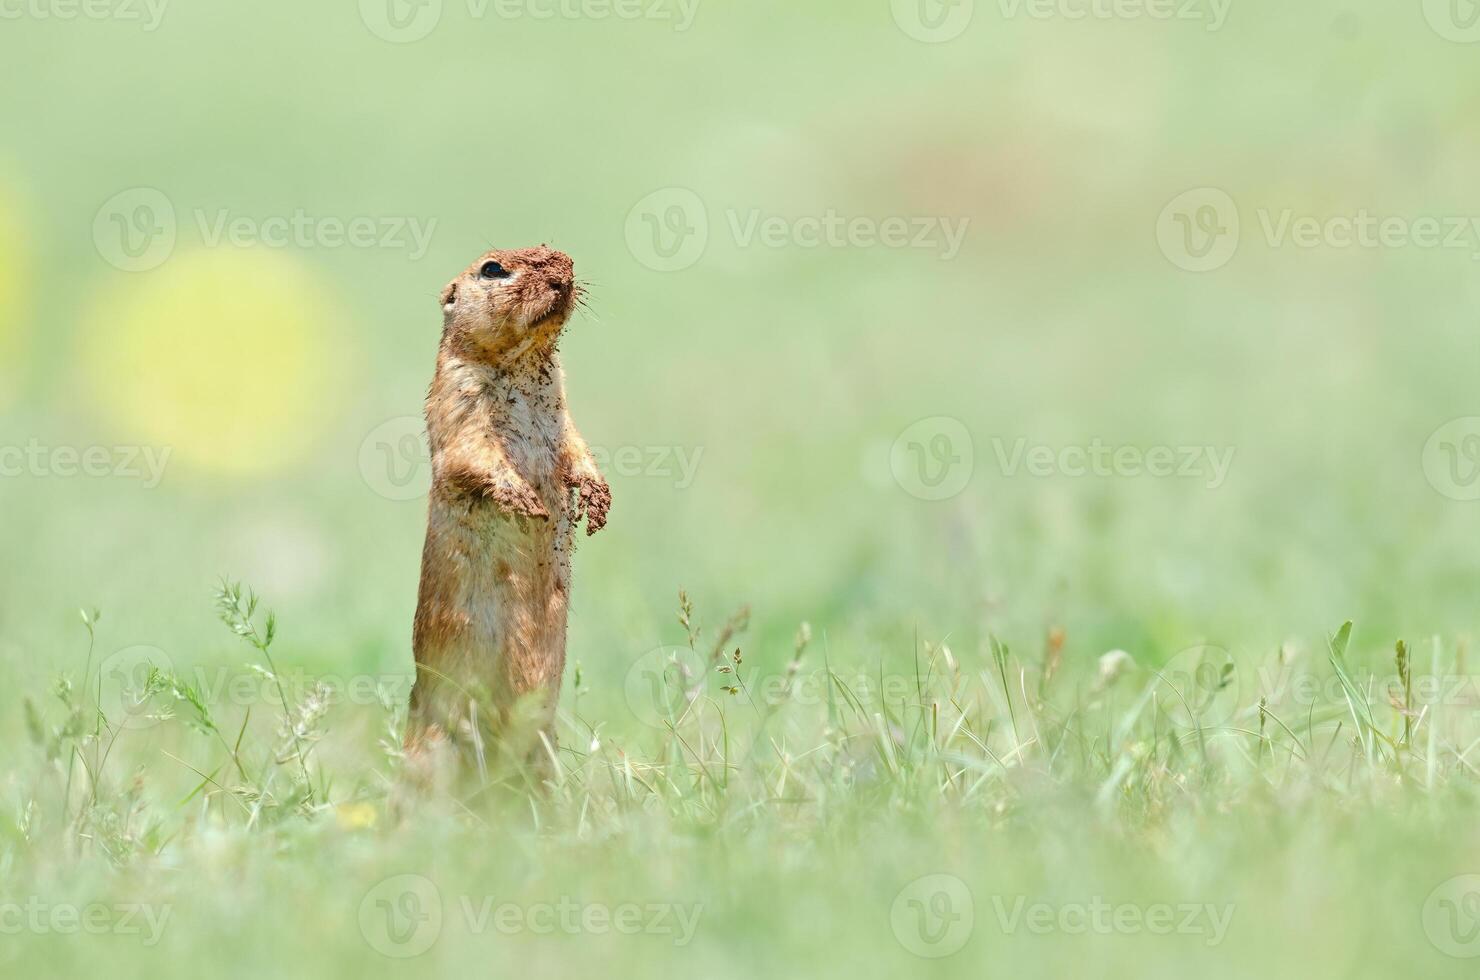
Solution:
(511, 479)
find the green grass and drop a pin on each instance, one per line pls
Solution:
(800, 810)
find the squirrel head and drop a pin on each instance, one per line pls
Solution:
(510, 302)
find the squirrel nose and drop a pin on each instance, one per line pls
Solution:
(558, 270)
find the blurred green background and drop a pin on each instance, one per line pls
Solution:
(791, 370)
(813, 383)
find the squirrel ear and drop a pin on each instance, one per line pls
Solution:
(450, 293)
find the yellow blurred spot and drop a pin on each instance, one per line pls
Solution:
(224, 355)
(356, 816)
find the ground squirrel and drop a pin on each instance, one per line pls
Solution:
(511, 479)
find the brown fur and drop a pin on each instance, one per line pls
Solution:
(511, 478)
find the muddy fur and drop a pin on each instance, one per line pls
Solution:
(511, 479)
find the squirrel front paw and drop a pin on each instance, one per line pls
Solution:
(593, 499)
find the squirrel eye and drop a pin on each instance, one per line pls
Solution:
(492, 270)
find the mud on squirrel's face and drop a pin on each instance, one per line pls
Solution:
(510, 301)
